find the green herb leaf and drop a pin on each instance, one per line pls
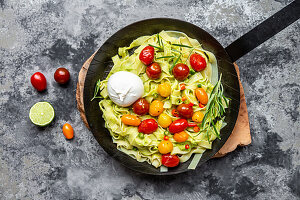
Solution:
(174, 63)
(182, 45)
(206, 55)
(192, 72)
(165, 57)
(141, 135)
(159, 48)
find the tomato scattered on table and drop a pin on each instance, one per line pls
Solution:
(68, 131)
(62, 75)
(38, 81)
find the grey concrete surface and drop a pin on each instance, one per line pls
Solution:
(42, 35)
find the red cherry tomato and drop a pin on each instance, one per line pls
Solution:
(148, 126)
(153, 71)
(62, 75)
(181, 71)
(185, 110)
(38, 81)
(147, 55)
(178, 126)
(169, 160)
(197, 62)
(141, 106)
(187, 146)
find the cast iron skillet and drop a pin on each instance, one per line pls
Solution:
(102, 63)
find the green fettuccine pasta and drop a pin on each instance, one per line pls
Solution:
(144, 147)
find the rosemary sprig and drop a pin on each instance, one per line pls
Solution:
(97, 88)
(215, 108)
(182, 45)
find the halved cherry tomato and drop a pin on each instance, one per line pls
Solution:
(169, 160)
(185, 110)
(165, 146)
(153, 71)
(178, 126)
(181, 136)
(175, 113)
(38, 81)
(181, 71)
(148, 126)
(141, 106)
(191, 124)
(182, 86)
(68, 131)
(196, 129)
(130, 120)
(147, 55)
(201, 95)
(197, 62)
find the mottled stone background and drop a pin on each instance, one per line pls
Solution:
(42, 35)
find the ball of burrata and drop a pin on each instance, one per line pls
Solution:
(124, 88)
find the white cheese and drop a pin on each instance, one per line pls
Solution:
(124, 88)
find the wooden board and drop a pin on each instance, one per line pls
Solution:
(240, 135)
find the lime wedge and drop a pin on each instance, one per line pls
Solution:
(41, 113)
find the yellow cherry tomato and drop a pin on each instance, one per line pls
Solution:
(201, 95)
(130, 120)
(164, 89)
(165, 147)
(164, 120)
(68, 131)
(181, 136)
(156, 108)
(197, 116)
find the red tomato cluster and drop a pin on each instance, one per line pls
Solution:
(153, 70)
(185, 111)
(61, 76)
(39, 82)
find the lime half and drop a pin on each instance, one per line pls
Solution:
(41, 113)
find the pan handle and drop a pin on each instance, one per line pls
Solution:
(264, 31)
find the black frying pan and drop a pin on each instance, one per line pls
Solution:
(102, 63)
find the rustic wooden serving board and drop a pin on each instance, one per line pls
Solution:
(240, 135)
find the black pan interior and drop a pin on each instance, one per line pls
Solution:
(102, 63)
